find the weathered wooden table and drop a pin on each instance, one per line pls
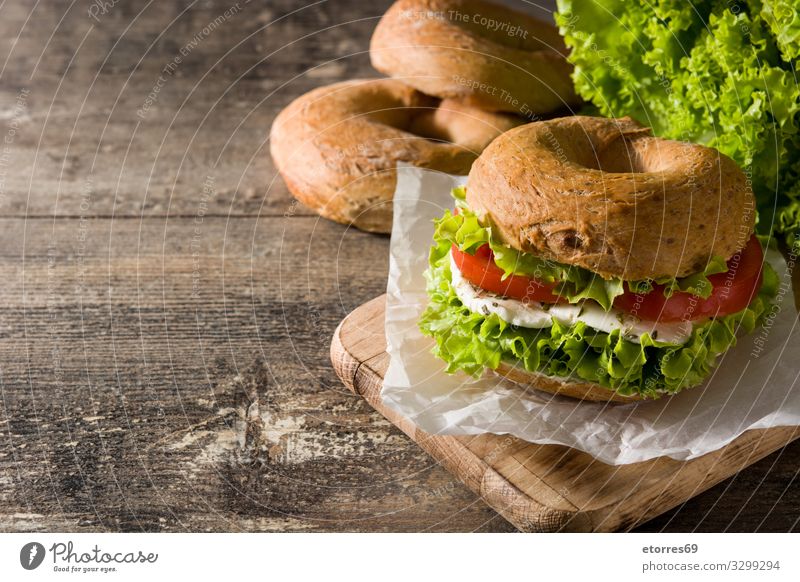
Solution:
(167, 308)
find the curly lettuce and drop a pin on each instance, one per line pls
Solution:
(472, 341)
(465, 231)
(716, 72)
(783, 19)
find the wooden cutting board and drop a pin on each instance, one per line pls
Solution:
(544, 487)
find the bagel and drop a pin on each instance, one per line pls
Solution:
(337, 146)
(562, 386)
(605, 195)
(483, 54)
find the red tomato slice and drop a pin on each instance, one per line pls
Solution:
(481, 270)
(732, 291)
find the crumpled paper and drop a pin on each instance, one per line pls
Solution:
(754, 386)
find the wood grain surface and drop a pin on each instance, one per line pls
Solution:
(167, 309)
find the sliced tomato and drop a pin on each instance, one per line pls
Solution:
(481, 270)
(732, 291)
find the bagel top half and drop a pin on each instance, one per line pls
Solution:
(605, 195)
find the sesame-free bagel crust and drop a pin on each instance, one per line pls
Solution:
(579, 389)
(605, 195)
(337, 146)
(481, 53)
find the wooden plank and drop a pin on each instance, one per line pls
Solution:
(546, 487)
(140, 111)
(133, 400)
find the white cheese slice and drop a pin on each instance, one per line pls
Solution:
(535, 315)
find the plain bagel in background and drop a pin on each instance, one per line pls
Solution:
(337, 146)
(483, 54)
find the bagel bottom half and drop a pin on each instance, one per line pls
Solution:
(562, 386)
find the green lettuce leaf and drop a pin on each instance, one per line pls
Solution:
(471, 342)
(716, 72)
(783, 19)
(575, 283)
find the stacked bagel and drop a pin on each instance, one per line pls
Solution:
(462, 72)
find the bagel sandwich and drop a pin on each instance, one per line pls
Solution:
(587, 258)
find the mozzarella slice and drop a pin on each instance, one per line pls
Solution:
(535, 315)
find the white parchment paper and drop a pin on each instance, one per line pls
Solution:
(755, 385)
